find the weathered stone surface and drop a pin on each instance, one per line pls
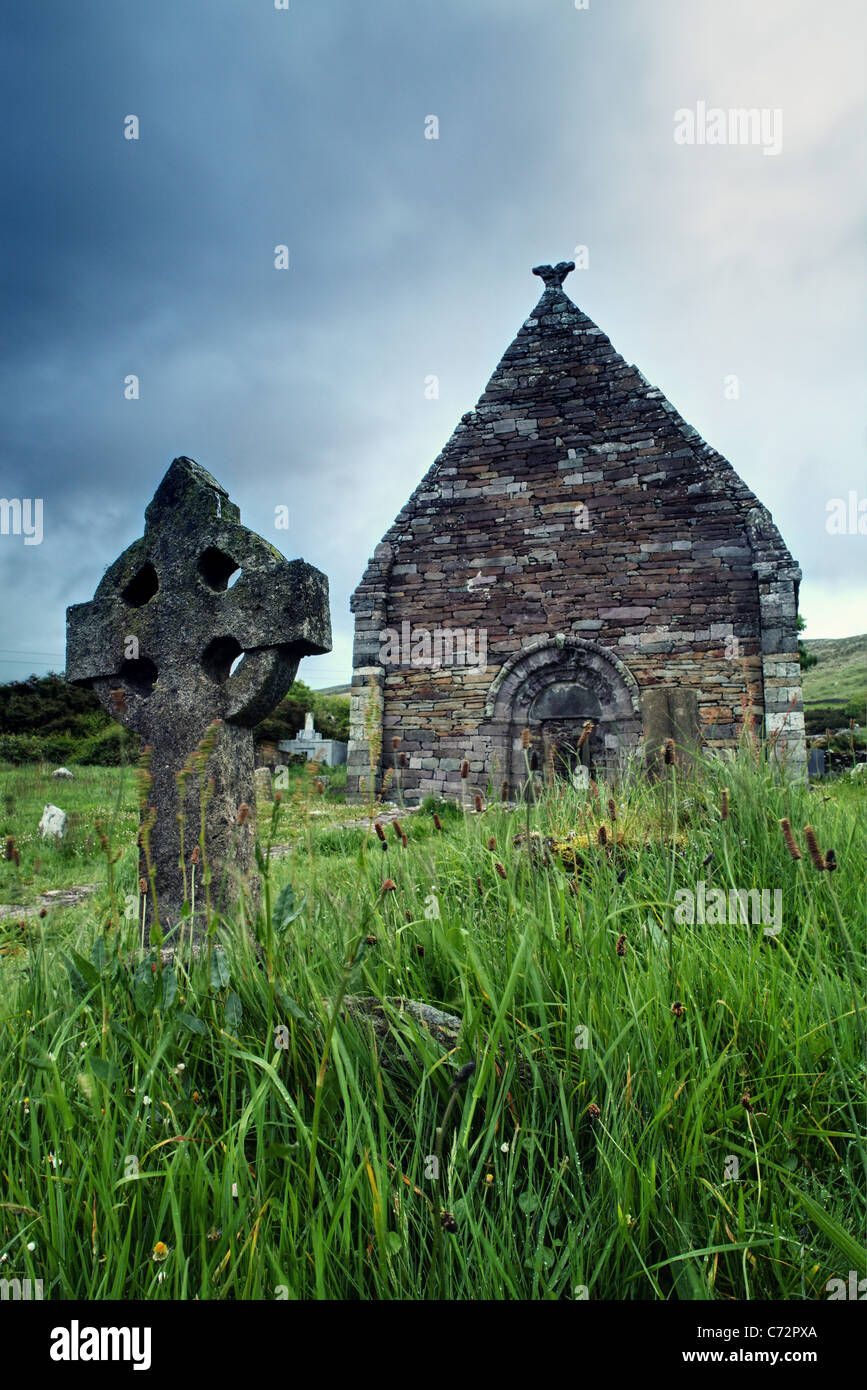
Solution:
(157, 644)
(52, 826)
(572, 503)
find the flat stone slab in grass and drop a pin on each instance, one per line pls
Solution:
(55, 897)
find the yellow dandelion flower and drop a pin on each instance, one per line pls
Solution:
(161, 1252)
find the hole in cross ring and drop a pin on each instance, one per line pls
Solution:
(142, 587)
(140, 675)
(218, 569)
(221, 657)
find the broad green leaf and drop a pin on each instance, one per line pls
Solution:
(285, 910)
(219, 970)
(195, 1025)
(233, 1011)
(143, 987)
(103, 1069)
(851, 1249)
(86, 969)
(170, 989)
(291, 1006)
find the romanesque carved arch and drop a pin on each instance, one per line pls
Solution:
(598, 676)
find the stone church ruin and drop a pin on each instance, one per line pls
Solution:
(576, 555)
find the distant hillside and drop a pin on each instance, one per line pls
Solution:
(840, 673)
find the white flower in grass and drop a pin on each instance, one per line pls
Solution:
(504, 1148)
(146, 1100)
(31, 1245)
(234, 1189)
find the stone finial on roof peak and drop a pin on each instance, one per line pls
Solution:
(554, 275)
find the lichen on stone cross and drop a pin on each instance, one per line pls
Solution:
(159, 644)
(554, 275)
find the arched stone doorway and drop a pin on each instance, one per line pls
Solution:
(552, 688)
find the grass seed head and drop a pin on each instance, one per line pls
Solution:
(813, 847)
(789, 838)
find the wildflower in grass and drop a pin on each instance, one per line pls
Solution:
(465, 769)
(478, 802)
(612, 809)
(31, 1246)
(379, 830)
(404, 841)
(479, 887)
(621, 946)
(526, 738)
(602, 836)
(678, 1008)
(830, 860)
(668, 752)
(388, 887)
(43, 912)
(26, 1104)
(398, 829)
(746, 1102)
(500, 870)
(278, 797)
(813, 847)
(234, 1190)
(319, 787)
(448, 1223)
(142, 886)
(182, 1066)
(419, 950)
(489, 1177)
(724, 804)
(504, 1148)
(243, 813)
(593, 1112)
(160, 1252)
(437, 822)
(621, 876)
(371, 940)
(492, 844)
(146, 1100)
(196, 855)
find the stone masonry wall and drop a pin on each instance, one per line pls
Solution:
(573, 506)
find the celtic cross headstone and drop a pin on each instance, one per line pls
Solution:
(200, 620)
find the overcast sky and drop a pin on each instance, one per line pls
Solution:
(410, 257)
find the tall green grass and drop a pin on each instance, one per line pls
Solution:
(233, 1109)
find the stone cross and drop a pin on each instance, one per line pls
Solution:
(554, 275)
(170, 644)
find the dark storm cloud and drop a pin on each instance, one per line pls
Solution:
(407, 257)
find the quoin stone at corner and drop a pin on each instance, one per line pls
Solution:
(600, 561)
